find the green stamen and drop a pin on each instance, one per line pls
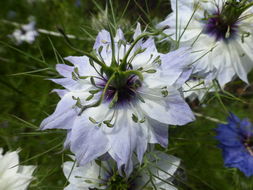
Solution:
(101, 97)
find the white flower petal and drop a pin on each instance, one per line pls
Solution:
(79, 175)
(12, 175)
(178, 20)
(9, 162)
(162, 168)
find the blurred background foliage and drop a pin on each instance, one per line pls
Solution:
(26, 100)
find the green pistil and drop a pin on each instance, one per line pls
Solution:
(117, 80)
(101, 97)
(113, 61)
(124, 63)
(116, 182)
(116, 67)
(232, 10)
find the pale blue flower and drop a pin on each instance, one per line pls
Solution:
(120, 112)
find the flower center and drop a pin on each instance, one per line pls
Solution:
(122, 92)
(23, 32)
(219, 28)
(116, 182)
(248, 143)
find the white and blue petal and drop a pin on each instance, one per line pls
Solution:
(87, 140)
(63, 116)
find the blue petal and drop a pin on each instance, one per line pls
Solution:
(233, 155)
(228, 127)
(233, 118)
(245, 166)
(232, 137)
(228, 136)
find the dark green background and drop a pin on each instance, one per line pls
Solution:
(25, 98)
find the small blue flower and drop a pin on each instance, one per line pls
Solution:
(236, 142)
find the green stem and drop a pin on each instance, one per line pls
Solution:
(113, 63)
(248, 6)
(95, 59)
(123, 65)
(107, 70)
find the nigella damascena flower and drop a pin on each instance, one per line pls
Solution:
(12, 175)
(26, 33)
(236, 142)
(220, 33)
(160, 168)
(120, 98)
